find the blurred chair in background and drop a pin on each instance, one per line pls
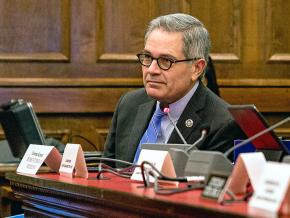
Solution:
(210, 79)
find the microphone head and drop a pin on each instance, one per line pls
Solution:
(205, 128)
(164, 108)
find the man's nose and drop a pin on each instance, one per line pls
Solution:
(154, 67)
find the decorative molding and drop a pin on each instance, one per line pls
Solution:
(231, 54)
(128, 82)
(19, 57)
(118, 57)
(71, 82)
(224, 57)
(274, 32)
(283, 132)
(62, 56)
(235, 45)
(279, 83)
(279, 58)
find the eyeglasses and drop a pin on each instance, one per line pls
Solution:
(163, 62)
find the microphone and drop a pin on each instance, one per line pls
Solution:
(125, 172)
(166, 110)
(109, 160)
(229, 151)
(204, 131)
(210, 162)
(180, 156)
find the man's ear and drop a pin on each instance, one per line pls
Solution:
(198, 68)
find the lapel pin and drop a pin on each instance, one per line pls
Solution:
(189, 123)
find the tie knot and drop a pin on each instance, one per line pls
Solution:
(159, 113)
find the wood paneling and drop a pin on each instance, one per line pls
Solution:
(224, 26)
(34, 30)
(74, 59)
(277, 39)
(67, 100)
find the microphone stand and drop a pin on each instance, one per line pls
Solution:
(176, 128)
(228, 152)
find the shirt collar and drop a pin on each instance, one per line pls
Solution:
(176, 108)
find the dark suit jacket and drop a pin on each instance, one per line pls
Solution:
(134, 111)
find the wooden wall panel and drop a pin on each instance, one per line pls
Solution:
(34, 30)
(278, 102)
(224, 26)
(67, 100)
(277, 37)
(74, 58)
(121, 31)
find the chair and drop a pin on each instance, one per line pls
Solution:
(210, 77)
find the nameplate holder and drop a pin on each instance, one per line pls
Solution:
(248, 169)
(73, 162)
(161, 161)
(36, 155)
(272, 196)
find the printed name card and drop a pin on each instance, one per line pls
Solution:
(272, 195)
(248, 168)
(160, 159)
(73, 162)
(34, 157)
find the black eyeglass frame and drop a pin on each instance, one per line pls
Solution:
(172, 61)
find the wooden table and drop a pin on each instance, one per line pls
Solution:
(56, 196)
(6, 194)
(9, 203)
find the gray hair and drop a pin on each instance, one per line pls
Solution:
(196, 41)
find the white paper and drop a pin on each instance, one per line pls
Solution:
(248, 167)
(35, 156)
(155, 157)
(254, 163)
(73, 162)
(272, 188)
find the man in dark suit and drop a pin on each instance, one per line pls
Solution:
(173, 62)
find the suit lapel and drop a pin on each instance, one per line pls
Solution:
(189, 118)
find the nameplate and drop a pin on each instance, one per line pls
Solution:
(248, 168)
(36, 155)
(161, 160)
(272, 196)
(73, 162)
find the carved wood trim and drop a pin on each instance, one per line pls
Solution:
(272, 34)
(284, 132)
(223, 57)
(66, 100)
(61, 56)
(273, 99)
(71, 82)
(118, 57)
(280, 83)
(53, 56)
(127, 82)
(279, 58)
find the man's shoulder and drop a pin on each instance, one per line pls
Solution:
(135, 97)
(213, 105)
(137, 92)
